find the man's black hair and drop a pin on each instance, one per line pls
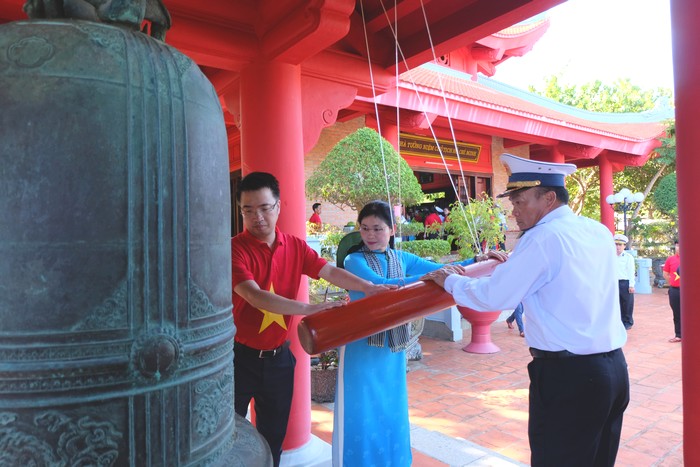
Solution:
(316, 205)
(255, 181)
(561, 192)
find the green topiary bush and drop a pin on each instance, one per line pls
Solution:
(666, 194)
(434, 249)
(353, 173)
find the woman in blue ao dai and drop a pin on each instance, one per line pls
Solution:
(371, 426)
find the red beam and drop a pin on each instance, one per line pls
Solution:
(467, 25)
(338, 326)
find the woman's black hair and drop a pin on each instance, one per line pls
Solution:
(378, 208)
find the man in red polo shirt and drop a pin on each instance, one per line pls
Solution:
(267, 267)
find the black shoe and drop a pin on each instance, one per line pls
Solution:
(628, 326)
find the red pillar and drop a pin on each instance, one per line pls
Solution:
(607, 215)
(272, 141)
(554, 155)
(390, 132)
(686, 66)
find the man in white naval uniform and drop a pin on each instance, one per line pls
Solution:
(563, 271)
(625, 279)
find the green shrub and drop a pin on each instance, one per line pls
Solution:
(410, 229)
(434, 249)
(353, 173)
(320, 290)
(332, 238)
(666, 194)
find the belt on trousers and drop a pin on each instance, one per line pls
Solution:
(245, 350)
(537, 353)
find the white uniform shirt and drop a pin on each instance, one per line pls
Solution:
(563, 271)
(625, 267)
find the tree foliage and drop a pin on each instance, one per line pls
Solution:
(584, 192)
(620, 97)
(666, 196)
(655, 235)
(644, 179)
(353, 173)
(479, 222)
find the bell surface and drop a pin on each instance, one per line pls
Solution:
(117, 334)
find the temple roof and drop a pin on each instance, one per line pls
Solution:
(484, 54)
(524, 27)
(494, 94)
(514, 41)
(520, 115)
(328, 40)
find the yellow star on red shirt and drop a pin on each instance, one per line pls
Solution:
(269, 317)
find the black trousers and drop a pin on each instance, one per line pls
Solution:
(270, 381)
(576, 407)
(674, 299)
(626, 303)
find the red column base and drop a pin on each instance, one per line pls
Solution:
(481, 330)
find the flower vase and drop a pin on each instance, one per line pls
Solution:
(480, 322)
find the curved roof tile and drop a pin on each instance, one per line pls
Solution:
(492, 94)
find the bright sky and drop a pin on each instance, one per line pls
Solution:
(599, 39)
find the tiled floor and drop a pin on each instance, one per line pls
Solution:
(483, 398)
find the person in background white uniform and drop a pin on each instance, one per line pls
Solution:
(625, 278)
(563, 271)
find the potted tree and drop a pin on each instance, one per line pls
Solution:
(324, 375)
(324, 366)
(352, 174)
(410, 230)
(477, 225)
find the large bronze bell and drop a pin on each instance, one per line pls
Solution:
(115, 301)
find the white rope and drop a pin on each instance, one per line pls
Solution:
(452, 130)
(376, 111)
(472, 229)
(398, 124)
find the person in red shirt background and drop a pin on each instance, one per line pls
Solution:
(672, 274)
(433, 220)
(316, 216)
(267, 267)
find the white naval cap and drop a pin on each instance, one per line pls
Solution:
(619, 238)
(526, 173)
